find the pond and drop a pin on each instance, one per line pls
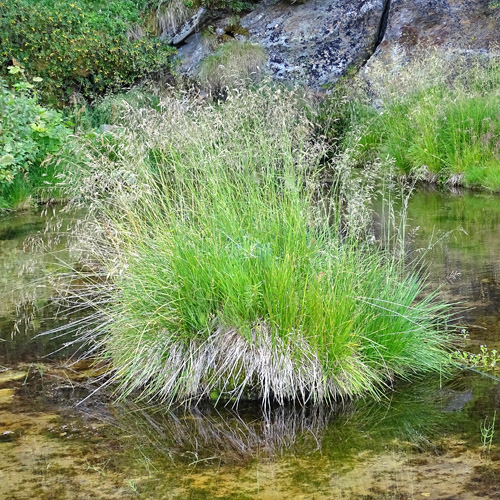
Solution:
(427, 439)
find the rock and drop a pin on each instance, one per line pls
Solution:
(316, 42)
(458, 400)
(191, 54)
(8, 376)
(312, 43)
(187, 28)
(462, 24)
(106, 128)
(8, 436)
(463, 27)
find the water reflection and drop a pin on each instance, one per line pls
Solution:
(470, 252)
(33, 255)
(423, 440)
(416, 418)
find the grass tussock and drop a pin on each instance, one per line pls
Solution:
(230, 271)
(436, 116)
(168, 16)
(232, 64)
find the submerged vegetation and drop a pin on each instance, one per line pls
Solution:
(232, 271)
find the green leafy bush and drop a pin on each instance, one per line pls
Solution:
(29, 132)
(85, 46)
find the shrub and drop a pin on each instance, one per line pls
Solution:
(230, 5)
(29, 133)
(229, 273)
(86, 46)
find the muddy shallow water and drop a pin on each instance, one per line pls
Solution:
(425, 440)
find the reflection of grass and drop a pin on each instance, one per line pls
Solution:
(207, 435)
(476, 212)
(465, 260)
(32, 248)
(413, 419)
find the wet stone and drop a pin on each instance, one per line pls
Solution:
(6, 395)
(9, 436)
(8, 376)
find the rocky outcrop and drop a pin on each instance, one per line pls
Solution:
(191, 54)
(316, 42)
(187, 28)
(462, 24)
(311, 43)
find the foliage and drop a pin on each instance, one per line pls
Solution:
(485, 359)
(82, 46)
(230, 273)
(230, 5)
(436, 116)
(29, 134)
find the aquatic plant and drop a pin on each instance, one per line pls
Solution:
(486, 358)
(232, 272)
(488, 432)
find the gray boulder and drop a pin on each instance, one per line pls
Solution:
(315, 42)
(459, 24)
(312, 43)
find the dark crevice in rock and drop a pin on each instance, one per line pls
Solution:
(383, 24)
(382, 28)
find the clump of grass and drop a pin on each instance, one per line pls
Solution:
(168, 16)
(230, 272)
(232, 64)
(436, 116)
(107, 111)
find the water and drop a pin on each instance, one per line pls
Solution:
(423, 441)
(33, 251)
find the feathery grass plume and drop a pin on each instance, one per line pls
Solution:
(231, 273)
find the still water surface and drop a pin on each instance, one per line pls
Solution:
(423, 441)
